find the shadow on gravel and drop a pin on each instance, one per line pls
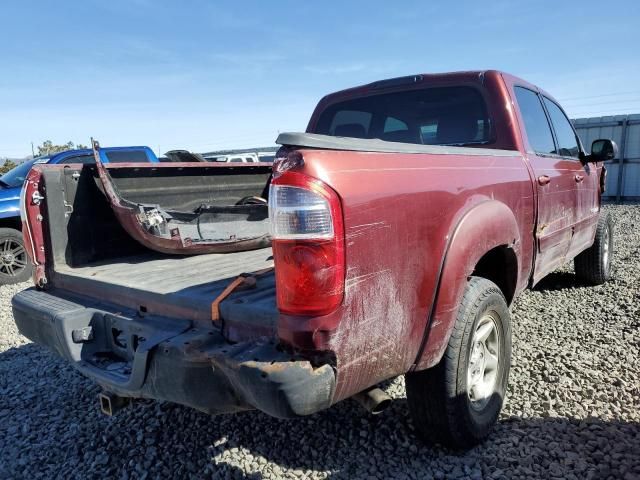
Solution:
(350, 444)
(560, 281)
(50, 426)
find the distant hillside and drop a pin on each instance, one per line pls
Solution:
(17, 161)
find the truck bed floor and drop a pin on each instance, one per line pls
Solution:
(188, 282)
(166, 274)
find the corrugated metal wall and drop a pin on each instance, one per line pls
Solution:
(623, 173)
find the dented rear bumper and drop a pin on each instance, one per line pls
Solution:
(168, 359)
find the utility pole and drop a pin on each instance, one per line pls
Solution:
(32, 152)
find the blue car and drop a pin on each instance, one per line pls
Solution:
(14, 264)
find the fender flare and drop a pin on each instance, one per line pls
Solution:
(484, 226)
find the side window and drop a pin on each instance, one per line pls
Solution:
(351, 123)
(535, 121)
(429, 132)
(392, 124)
(567, 143)
(80, 159)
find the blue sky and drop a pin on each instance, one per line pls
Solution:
(205, 75)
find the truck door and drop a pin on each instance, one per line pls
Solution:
(586, 176)
(555, 182)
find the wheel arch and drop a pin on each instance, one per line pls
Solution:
(11, 222)
(485, 242)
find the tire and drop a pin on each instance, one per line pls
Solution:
(594, 264)
(440, 398)
(15, 266)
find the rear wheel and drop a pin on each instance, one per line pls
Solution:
(457, 402)
(594, 264)
(14, 263)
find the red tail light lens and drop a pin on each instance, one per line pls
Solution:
(308, 244)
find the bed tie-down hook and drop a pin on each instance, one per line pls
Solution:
(244, 281)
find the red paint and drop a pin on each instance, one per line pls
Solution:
(32, 225)
(405, 213)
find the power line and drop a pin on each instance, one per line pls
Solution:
(585, 109)
(607, 113)
(598, 96)
(608, 102)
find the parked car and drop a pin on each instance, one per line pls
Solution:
(403, 224)
(243, 157)
(238, 158)
(14, 264)
(266, 156)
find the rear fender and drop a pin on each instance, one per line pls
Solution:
(482, 228)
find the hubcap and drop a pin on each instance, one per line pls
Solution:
(13, 257)
(605, 248)
(484, 362)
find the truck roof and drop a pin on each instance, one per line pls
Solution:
(404, 82)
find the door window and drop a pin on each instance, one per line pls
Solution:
(565, 135)
(535, 121)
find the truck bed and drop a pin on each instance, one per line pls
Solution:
(184, 287)
(198, 277)
(93, 256)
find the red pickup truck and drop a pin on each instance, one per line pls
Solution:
(389, 239)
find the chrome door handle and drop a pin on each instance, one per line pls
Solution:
(544, 179)
(579, 178)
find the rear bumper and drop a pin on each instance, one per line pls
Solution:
(170, 359)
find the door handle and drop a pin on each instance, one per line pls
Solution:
(544, 179)
(578, 178)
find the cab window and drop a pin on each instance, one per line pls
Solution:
(350, 123)
(456, 115)
(565, 135)
(87, 158)
(535, 121)
(127, 156)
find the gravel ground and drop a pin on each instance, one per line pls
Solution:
(572, 411)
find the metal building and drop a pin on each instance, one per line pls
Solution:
(623, 173)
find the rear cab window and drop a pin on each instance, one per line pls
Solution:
(127, 156)
(455, 115)
(84, 159)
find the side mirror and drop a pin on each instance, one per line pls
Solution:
(603, 149)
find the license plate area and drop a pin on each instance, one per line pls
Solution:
(115, 347)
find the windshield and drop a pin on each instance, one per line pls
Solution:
(431, 116)
(15, 177)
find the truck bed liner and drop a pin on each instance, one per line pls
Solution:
(162, 274)
(190, 284)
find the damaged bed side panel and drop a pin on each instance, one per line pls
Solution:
(207, 228)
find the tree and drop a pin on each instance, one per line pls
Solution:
(48, 148)
(8, 165)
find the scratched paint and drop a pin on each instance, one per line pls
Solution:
(401, 212)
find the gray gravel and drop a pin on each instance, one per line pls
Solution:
(572, 411)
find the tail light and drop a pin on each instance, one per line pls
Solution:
(308, 244)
